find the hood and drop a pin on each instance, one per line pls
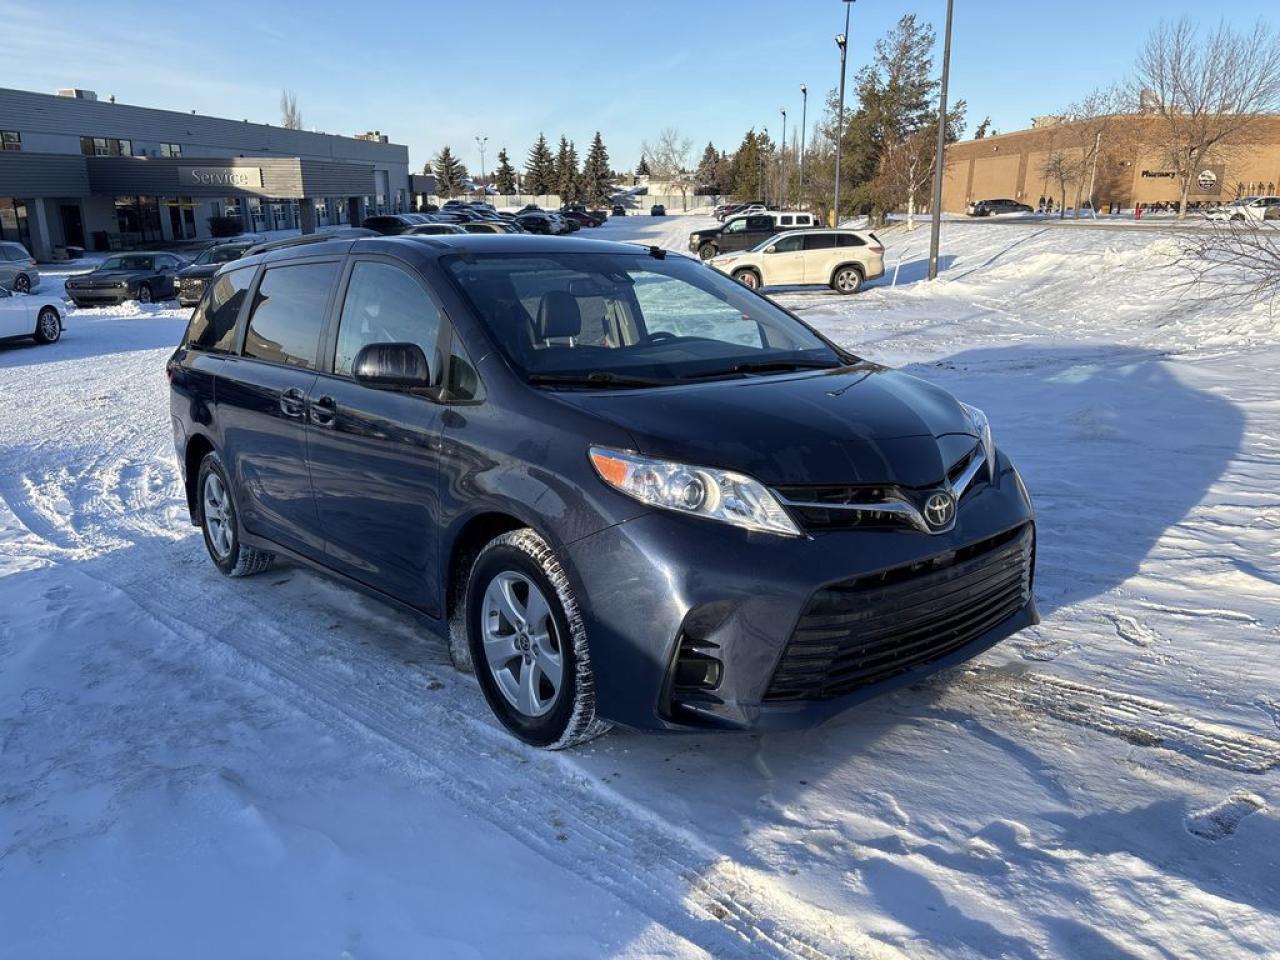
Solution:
(859, 424)
(708, 232)
(103, 276)
(205, 270)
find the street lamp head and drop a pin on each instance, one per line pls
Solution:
(804, 90)
(840, 40)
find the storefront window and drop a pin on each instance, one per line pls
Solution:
(13, 221)
(138, 219)
(105, 147)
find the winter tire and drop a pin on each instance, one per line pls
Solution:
(22, 283)
(144, 293)
(48, 326)
(706, 251)
(748, 278)
(219, 521)
(847, 280)
(528, 643)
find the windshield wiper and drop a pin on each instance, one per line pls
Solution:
(767, 366)
(597, 378)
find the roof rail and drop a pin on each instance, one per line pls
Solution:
(345, 233)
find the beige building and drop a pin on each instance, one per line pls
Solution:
(1130, 169)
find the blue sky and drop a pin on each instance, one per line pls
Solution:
(430, 73)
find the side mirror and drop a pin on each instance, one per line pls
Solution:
(392, 366)
(771, 249)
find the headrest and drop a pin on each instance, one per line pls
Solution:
(559, 316)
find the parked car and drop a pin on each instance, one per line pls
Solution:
(145, 277)
(17, 268)
(537, 223)
(840, 259)
(193, 278)
(739, 233)
(31, 316)
(988, 208)
(641, 493)
(580, 217)
(435, 230)
(390, 224)
(565, 224)
(657, 210)
(1246, 208)
(619, 210)
(600, 215)
(530, 208)
(483, 226)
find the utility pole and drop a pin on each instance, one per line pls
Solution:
(480, 142)
(842, 41)
(782, 167)
(936, 227)
(804, 124)
(1093, 176)
(764, 181)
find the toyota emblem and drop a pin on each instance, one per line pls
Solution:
(940, 510)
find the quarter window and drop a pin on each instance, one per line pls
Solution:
(288, 313)
(385, 305)
(213, 325)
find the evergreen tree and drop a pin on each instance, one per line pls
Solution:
(748, 168)
(597, 182)
(505, 178)
(539, 168)
(708, 172)
(566, 171)
(642, 168)
(983, 129)
(449, 171)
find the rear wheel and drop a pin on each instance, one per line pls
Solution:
(528, 643)
(48, 326)
(22, 283)
(748, 278)
(219, 523)
(847, 280)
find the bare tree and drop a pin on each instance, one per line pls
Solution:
(668, 159)
(1208, 96)
(1233, 263)
(290, 117)
(1063, 164)
(1091, 127)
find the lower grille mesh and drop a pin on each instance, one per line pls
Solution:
(858, 632)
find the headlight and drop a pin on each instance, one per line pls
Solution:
(982, 427)
(701, 491)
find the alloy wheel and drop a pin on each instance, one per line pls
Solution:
(144, 294)
(217, 516)
(49, 325)
(521, 644)
(22, 284)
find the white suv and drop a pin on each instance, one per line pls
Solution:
(841, 259)
(1246, 208)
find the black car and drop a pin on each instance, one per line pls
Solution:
(619, 210)
(193, 278)
(569, 451)
(740, 233)
(390, 224)
(535, 223)
(657, 210)
(987, 208)
(144, 277)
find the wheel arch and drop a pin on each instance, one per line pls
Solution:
(857, 265)
(198, 447)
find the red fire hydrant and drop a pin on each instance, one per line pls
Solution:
(1137, 211)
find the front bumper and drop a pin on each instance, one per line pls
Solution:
(100, 297)
(190, 291)
(662, 588)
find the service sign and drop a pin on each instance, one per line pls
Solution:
(244, 178)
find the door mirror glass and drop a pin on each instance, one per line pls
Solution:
(392, 366)
(771, 249)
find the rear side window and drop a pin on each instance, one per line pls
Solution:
(819, 241)
(288, 313)
(213, 325)
(385, 305)
(759, 223)
(850, 240)
(787, 221)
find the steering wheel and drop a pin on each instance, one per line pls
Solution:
(663, 335)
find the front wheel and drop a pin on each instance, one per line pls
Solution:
(144, 293)
(22, 283)
(847, 280)
(218, 522)
(528, 643)
(48, 326)
(748, 278)
(706, 251)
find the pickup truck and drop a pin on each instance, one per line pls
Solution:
(740, 233)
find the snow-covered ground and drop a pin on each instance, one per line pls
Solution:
(279, 767)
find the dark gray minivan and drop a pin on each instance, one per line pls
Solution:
(632, 490)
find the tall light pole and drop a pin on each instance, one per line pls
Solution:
(842, 41)
(782, 166)
(936, 227)
(764, 183)
(480, 142)
(804, 124)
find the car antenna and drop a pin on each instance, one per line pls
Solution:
(657, 253)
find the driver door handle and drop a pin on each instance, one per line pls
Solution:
(292, 402)
(324, 410)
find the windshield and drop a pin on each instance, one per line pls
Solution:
(220, 255)
(624, 318)
(126, 263)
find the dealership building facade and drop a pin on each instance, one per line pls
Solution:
(78, 171)
(1131, 169)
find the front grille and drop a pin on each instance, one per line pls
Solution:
(858, 632)
(805, 502)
